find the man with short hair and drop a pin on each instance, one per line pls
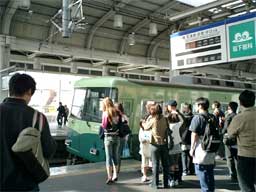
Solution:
(204, 161)
(61, 114)
(16, 115)
(230, 144)
(185, 133)
(220, 117)
(243, 127)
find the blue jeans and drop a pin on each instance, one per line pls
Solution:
(112, 144)
(246, 172)
(206, 176)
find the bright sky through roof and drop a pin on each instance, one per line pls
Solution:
(196, 3)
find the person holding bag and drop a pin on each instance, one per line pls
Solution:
(144, 139)
(110, 123)
(15, 116)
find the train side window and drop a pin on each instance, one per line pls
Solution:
(127, 104)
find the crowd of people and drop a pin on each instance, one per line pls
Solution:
(168, 137)
(186, 156)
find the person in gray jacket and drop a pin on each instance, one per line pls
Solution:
(16, 115)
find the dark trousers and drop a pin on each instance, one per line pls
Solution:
(246, 172)
(231, 156)
(205, 174)
(65, 119)
(187, 163)
(59, 119)
(159, 152)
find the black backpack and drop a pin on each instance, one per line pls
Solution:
(211, 138)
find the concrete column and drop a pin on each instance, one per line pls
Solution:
(157, 76)
(73, 67)
(37, 64)
(173, 73)
(105, 71)
(5, 52)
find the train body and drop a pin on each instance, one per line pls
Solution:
(86, 111)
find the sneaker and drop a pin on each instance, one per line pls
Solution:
(109, 181)
(144, 179)
(172, 183)
(184, 174)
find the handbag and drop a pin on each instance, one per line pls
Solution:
(101, 133)
(124, 129)
(29, 150)
(146, 136)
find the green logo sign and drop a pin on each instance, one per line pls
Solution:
(242, 41)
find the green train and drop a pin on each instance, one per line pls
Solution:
(85, 119)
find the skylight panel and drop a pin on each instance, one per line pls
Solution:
(196, 3)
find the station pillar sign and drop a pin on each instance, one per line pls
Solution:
(242, 40)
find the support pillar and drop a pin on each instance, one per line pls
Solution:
(37, 64)
(105, 71)
(157, 76)
(173, 73)
(73, 67)
(5, 52)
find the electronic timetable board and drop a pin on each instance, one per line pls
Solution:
(210, 44)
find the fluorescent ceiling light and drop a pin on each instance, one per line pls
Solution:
(235, 15)
(237, 6)
(196, 3)
(253, 10)
(233, 3)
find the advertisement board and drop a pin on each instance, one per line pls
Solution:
(241, 37)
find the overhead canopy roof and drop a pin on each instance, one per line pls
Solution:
(97, 43)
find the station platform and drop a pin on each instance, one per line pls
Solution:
(58, 133)
(92, 177)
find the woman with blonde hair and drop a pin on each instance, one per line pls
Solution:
(110, 121)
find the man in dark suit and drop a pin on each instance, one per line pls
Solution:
(230, 148)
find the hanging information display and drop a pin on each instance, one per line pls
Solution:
(199, 46)
(229, 40)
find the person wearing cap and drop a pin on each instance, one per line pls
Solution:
(172, 105)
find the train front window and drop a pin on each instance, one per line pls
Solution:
(78, 103)
(93, 102)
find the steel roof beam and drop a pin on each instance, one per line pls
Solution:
(142, 23)
(197, 10)
(8, 15)
(101, 21)
(151, 50)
